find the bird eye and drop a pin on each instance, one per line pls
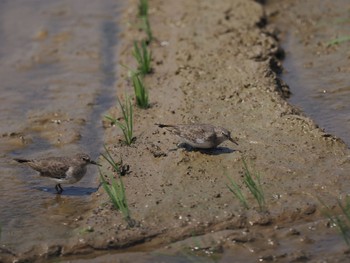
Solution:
(86, 159)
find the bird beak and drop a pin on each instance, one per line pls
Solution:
(93, 162)
(232, 140)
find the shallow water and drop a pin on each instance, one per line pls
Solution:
(58, 73)
(318, 74)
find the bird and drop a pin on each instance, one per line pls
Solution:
(62, 170)
(202, 136)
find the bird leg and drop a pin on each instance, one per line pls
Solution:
(59, 188)
(185, 146)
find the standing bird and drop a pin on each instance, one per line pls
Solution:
(203, 136)
(62, 170)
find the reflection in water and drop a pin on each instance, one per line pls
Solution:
(106, 98)
(58, 77)
(69, 190)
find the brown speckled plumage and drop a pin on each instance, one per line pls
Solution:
(204, 136)
(61, 169)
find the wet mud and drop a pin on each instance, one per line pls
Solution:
(218, 63)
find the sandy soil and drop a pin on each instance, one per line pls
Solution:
(216, 62)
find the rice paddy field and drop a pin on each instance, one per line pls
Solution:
(98, 75)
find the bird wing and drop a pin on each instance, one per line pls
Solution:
(197, 133)
(53, 168)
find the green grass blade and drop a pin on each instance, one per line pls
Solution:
(338, 40)
(143, 57)
(140, 92)
(254, 185)
(147, 28)
(146, 57)
(131, 122)
(110, 160)
(127, 126)
(143, 8)
(111, 119)
(116, 189)
(130, 70)
(342, 226)
(237, 192)
(109, 191)
(125, 116)
(127, 110)
(137, 54)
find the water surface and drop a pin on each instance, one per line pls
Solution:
(57, 75)
(317, 72)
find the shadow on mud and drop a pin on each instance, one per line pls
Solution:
(214, 151)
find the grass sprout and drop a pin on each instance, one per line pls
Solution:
(146, 27)
(143, 57)
(116, 189)
(237, 192)
(341, 222)
(338, 40)
(253, 183)
(143, 14)
(127, 125)
(131, 71)
(141, 93)
(143, 8)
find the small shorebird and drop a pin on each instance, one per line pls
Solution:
(203, 136)
(62, 170)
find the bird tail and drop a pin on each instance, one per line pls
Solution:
(21, 160)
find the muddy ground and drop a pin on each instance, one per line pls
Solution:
(215, 62)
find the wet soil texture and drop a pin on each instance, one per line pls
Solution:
(213, 62)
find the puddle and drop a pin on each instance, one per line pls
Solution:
(317, 73)
(58, 77)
